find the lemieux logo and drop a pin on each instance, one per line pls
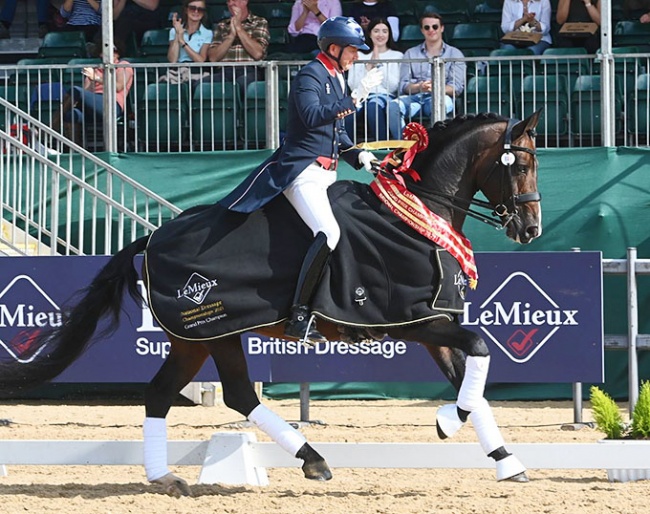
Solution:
(196, 288)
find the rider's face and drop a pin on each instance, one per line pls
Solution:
(349, 55)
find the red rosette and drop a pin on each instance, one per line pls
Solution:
(416, 132)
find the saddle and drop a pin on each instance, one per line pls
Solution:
(213, 272)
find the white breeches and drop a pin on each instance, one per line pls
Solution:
(308, 195)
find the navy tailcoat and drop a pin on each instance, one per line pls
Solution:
(316, 108)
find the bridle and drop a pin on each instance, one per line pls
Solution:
(501, 214)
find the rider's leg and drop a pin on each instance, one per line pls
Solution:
(308, 195)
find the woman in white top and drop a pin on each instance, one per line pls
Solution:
(374, 110)
(189, 39)
(530, 16)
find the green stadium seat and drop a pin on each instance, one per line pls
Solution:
(215, 115)
(552, 93)
(63, 44)
(410, 36)
(488, 94)
(255, 112)
(163, 115)
(586, 106)
(487, 11)
(452, 11)
(628, 33)
(511, 70)
(49, 70)
(557, 61)
(638, 107)
(475, 36)
(155, 42)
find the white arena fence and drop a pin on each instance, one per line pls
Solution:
(243, 107)
(237, 458)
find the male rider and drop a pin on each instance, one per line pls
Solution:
(305, 164)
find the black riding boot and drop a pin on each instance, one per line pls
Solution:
(310, 274)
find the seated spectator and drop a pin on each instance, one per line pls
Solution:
(375, 108)
(135, 17)
(85, 105)
(586, 11)
(637, 10)
(82, 15)
(306, 19)
(528, 16)
(243, 37)
(363, 11)
(415, 77)
(189, 38)
(8, 13)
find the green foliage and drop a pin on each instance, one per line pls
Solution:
(640, 428)
(609, 420)
(606, 414)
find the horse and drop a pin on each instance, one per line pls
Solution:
(485, 152)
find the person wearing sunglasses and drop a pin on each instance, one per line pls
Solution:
(415, 77)
(189, 39)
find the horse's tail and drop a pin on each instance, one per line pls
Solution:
(47, 354)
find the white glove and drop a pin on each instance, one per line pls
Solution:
(369, 161)
(372, 79)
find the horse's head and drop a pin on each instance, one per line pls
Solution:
(510, 185)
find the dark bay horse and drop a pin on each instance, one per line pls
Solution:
(486, 153)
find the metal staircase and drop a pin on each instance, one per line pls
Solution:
(56, 198)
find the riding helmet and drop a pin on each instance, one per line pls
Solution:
(341, 31)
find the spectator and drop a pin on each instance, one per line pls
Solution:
(415, 77)
(82, 15)
(375, 109)
(86, 104)
(306, 19)
(637, 9)
(528, 16)
(363, 11)
(135, 17)
(243, 37)
(8, 13)
(189, 38)
(579, 11)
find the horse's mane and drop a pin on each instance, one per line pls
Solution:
(444, 133)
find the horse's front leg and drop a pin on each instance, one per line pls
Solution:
(182, 364)
(239, 395)
(470, 402)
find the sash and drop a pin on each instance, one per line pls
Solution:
(392, 192)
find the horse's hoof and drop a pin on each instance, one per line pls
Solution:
(317, 470)
(519, 477)
(173, 485)
(447, 421)
(511, 469)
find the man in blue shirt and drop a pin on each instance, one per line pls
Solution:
(415, 77)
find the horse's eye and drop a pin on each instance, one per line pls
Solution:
(522, 168)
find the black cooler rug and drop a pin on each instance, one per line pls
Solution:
(213, 272)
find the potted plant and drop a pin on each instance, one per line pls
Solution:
(609, 420)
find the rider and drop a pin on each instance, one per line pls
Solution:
(305, 164)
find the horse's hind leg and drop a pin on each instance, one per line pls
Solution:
(182, 364)
(470, 383)
(239, 395)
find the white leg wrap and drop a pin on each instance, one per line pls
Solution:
(277, 429)
(471, 391)
(155, 448)
(486, 428)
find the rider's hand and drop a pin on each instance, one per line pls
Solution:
(369, 162)
(372, 79)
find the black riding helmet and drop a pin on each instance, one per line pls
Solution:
(341, 31)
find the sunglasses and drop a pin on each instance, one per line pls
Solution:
(430, 27)
(195, 8)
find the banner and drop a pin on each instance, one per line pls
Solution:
(540, 314)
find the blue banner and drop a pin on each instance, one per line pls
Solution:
(540, 313)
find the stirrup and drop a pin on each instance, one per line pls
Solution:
(302, 326)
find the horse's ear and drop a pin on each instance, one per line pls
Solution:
(527, 125)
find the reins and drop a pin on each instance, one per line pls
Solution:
(500, 215)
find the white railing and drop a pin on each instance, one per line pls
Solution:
(241, 107)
